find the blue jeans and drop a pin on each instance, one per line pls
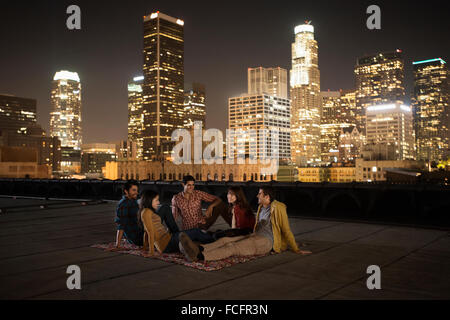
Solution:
(195, 235)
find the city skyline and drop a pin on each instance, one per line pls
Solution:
(114, 126)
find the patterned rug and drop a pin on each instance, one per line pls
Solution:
(179, 258)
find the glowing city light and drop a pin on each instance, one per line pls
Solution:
(304, 28)
(429, 60)
(381, 107)
(66, 75)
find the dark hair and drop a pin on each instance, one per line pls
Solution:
(268, 191)
(146, 200)
(188, 178)
(129, 184)
(241, 200)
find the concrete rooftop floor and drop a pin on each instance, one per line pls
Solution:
(37, 245)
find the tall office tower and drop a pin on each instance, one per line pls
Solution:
(272, 81)
(195, 104)
(260, 111)
(379, 80)
(330, 111)
(163, 87)
(305, 97)
(16, 114)
(389, 129)
(65, 119)
(135, 113)
(126, 150)
(349, 110)
(431, 109)
(350, 144)
(332, 121)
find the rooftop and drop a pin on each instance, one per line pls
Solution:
(38, 244)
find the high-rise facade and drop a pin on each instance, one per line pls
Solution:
(349, 111)
(163, 86)
(65, 118)
(390, 127)
(379, 80)
(271, 81)
(135, 114)
(16, 114)
(195, 104)
(305, 97)
(332, 120)
(260, 112)
(431, 109)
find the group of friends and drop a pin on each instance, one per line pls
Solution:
(153, 226)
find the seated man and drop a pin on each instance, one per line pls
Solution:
(127, 216)
(272, 232)
(188, 205)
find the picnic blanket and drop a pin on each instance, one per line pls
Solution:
(179, 258)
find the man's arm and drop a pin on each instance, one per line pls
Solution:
(209, 198)
(175, 210)
(119, 236)
(121, 220)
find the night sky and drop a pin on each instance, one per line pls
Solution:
(222, 40)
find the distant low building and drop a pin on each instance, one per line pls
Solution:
(312, 174)
(168, 171)
(48, 148)
(21, 162)
(327, 174)
(94, 157)
(375, 170)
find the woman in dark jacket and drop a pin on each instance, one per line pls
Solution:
(243, 219)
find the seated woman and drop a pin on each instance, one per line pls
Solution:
(243, 219)
(156, 234)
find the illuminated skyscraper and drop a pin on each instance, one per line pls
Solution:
(390, 127)
(272, 81)
(65, 118)
(379, 80)
(431, 109)
(163, 87)
(349, 111)
(195, 104)
(135, 113)
(333, 119)
(305, 97)
(258, 112)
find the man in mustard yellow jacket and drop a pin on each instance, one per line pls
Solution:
(271, 232)
(273, 216)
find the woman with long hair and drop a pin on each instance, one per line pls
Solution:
(166, 240)
(243, 219)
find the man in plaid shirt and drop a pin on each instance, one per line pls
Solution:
(127, 216)
(187, 206)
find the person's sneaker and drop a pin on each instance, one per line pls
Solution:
(190, 250)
